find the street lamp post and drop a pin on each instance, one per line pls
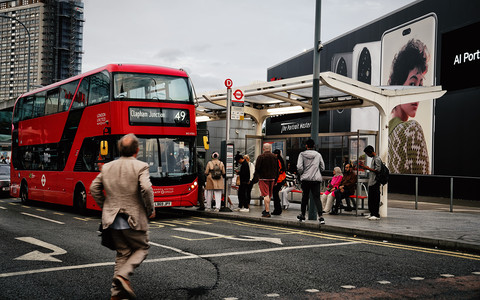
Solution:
(28, 33)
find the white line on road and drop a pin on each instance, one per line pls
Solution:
(42, 218)
(163, 259)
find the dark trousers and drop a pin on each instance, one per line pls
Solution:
(201, 196)
(277, 205)
(249, 194)
(338, 199)
(374, 199)
(243, 201)
(314, 188)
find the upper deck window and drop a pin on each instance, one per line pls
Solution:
(151, 87)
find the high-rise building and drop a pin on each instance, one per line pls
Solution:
(55, 30)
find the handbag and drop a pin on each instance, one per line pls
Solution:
(106, 237)
(238, 180)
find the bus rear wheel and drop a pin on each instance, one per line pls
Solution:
(24, 194)
(80, 200)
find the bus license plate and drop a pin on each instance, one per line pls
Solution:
(163, 204)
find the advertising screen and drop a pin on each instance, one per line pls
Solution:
(408, 58)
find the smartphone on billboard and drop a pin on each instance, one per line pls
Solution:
(366, 69)
(408, 55)
(342, 64)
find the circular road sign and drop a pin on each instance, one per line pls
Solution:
(238, 94)
(228, 83)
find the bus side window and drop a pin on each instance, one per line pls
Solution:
(66, 95)
(81, 97)
(39, 105)
(52, 102)
(17, 114)
(99, 88)
(28, 108)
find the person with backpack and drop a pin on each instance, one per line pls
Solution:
(373, 183)
(215, 170)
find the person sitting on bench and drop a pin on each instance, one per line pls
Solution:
(345, 189)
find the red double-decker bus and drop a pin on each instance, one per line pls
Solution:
(63, 133)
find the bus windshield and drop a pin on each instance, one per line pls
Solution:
(167, 157)
(151, 87)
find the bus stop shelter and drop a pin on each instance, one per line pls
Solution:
(294, 95)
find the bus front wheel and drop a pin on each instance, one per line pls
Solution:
(80, 200)
(24, 194)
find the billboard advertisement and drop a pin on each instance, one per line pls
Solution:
(408, 58)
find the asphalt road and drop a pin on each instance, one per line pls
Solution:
(51, 252)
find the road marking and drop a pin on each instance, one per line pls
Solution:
(384, 282)
(447, 275)
(82, 219)
(273, 295)
(359, 240)
(417, 278)
(42, 218)
(173, 249)
(175, 258)
(1, 207)
(37, 255)
(476, 273)
(312, 291)
(349, 287)
(243, 238)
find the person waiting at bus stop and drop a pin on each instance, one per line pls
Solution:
(345, 189)
(215, 170)
(266, 170)
(310, 164)
(277, 205)
(126, 206)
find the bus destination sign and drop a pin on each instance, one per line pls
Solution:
(159, 116)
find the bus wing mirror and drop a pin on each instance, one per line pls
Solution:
(104, 148)
(206, 144)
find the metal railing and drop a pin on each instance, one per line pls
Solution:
(451, 180)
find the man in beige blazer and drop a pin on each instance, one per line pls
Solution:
(126, 206)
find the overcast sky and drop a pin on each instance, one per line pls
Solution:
(216, 39)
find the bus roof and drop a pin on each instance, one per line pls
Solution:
(130, 68)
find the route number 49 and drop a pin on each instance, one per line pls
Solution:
(180, 116)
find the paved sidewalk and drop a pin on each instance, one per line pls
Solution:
(432, 225)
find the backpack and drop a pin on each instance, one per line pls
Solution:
(382, 176)
(216, 172)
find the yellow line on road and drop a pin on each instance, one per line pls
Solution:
(284, 230)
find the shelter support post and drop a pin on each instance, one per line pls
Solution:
(382, 150)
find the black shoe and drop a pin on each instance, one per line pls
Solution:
(348, 208)
(266, 214)
(333, 213)
(276, 213)
(321, 220)
(201, 208)
(301, 217)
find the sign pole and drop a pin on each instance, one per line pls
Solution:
(229, 147)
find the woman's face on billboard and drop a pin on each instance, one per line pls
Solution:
(414, 78)
(409, 109)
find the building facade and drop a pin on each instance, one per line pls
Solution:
(55, 31)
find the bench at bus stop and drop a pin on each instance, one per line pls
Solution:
(353, 197)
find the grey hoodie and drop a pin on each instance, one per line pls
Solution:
(309, 165)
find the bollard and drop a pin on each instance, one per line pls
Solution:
(451, 194)
(416, 192)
